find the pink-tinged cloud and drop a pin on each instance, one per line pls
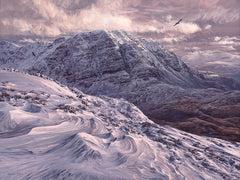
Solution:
(51, 17)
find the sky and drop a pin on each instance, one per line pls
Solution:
(209, 32)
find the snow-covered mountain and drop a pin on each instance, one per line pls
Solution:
(48, 131)
(91, 56)
(120, 65)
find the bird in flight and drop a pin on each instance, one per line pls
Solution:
(178, 22)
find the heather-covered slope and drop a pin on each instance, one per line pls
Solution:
(51, 132)
(119, 65)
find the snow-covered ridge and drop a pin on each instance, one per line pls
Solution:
(50, 132)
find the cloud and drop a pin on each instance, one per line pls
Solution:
(219, 62)
(227, 40)
(188, 28)
(201, 20)
(207, 27)
(53, 20)
(202, 57)
(96, 18)
(47, 18)
(221, 15)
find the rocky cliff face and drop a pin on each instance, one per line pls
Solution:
(119, 65)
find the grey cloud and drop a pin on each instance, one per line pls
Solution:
(216, 61)
(73, 6)
(65, 15)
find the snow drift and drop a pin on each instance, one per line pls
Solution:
(51, 132)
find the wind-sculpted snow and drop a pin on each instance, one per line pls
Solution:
(50, 132)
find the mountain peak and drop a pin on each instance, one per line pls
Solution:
(134, 55)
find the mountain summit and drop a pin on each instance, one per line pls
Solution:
(141, 71)
(91, 55)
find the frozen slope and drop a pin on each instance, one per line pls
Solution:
(50, 132)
